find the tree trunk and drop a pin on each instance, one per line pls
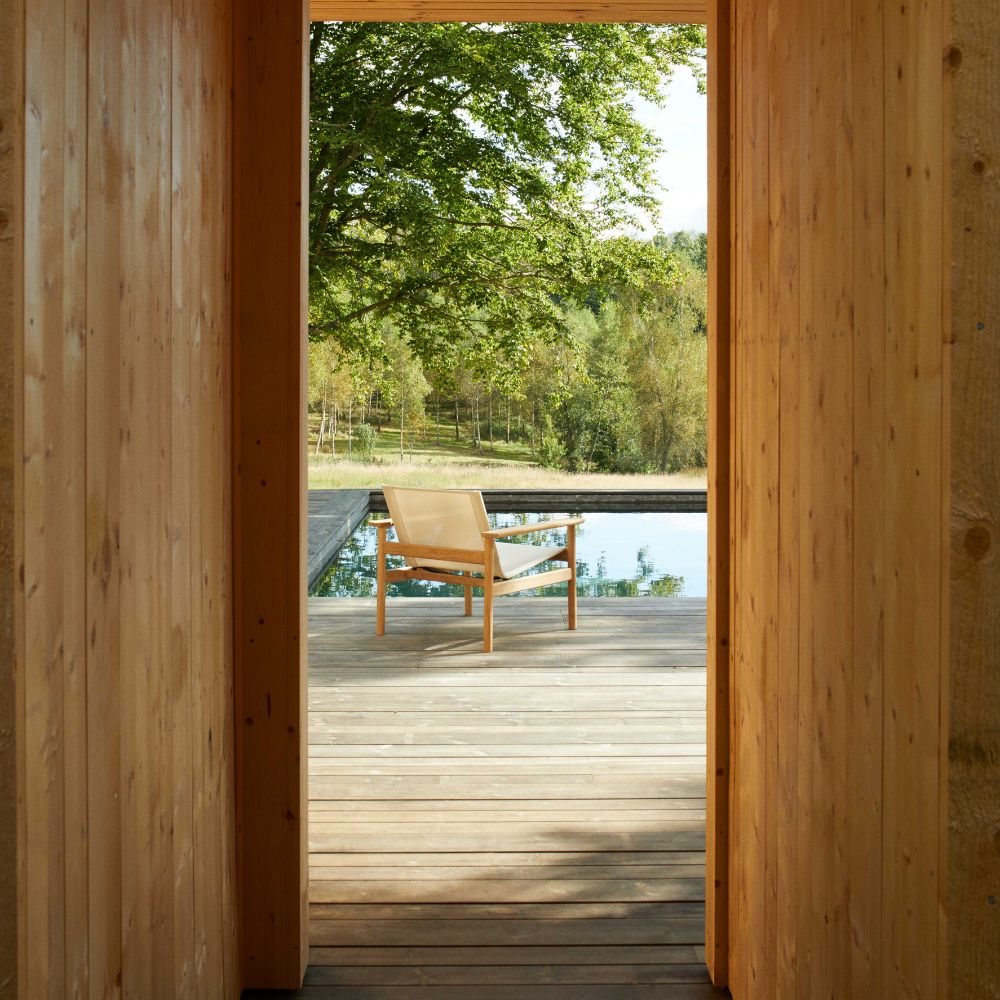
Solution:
(508, 421)
(437, 418)
(458, 435)
(333, 432)
(401, 430)
(322, 425)
(489, 419)
(350, 426)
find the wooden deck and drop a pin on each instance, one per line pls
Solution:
(526, 824)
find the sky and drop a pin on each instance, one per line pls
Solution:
(682, 126)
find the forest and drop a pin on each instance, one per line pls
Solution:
(486, 270)
(623, 390)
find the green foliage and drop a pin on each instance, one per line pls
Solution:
(624, 392)
(688, 248)
(469, 188)
(464, 179)
(363, 441)
(550, 450)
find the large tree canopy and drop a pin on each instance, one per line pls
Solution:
(466, 179)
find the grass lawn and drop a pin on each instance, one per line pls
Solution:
(457, 464)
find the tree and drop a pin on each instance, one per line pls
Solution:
(464, 177)
(404, 387)
(331, 387)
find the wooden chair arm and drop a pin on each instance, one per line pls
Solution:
(527, 529)
(386, 523)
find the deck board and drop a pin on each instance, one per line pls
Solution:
(528, 824)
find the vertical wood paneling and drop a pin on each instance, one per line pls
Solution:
(839, 476)
(717, 883)
(11, 635)
(756, 530)
(106, 271)
(123, 336)
(783, 151)
(269, 296)
(795, 464)
(185, 549)
(863, 800)
(973, 805)
(913, 493)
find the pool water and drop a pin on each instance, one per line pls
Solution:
(617, 555)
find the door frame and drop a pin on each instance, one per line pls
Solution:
(269, 273)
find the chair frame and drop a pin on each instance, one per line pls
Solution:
(491, 586)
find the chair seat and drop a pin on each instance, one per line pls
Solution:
(512, 559)
(515, 559)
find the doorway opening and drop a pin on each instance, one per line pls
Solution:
(270, 485)
(536, 816)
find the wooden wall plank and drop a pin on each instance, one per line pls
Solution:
(185, 553)
(43, 291)
(717, 887)
(125, 318)
(54, 382)
(864, 793)
(783, 149)
(105, 267)
(796, 464)
(828, 405)
(973, 387)
(835, 879)
(757, 529)
(913, 493)
(739, 720)
(649, 11)
(144, 237)
(11, 486)
(269, 302)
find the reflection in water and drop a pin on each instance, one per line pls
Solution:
(670, 560)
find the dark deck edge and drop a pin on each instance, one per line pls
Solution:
(585, 501)
(333, 537)
(330, 529)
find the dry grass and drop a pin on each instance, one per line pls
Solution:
(325, 473)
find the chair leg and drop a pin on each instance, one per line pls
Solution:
(571, 556)
(380, 583)
(488, 598)
(468, 600)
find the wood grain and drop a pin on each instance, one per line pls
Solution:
(972, 386)
(720, 179)
(471, 823)
(121, 365)
(12, 651)
(840, 477)
(269, 468)
(650, 11)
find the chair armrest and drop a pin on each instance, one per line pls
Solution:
(386, 523)
(527, 529)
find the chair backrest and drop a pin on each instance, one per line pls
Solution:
(451, 519)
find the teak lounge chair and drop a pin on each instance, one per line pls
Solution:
(446, 536)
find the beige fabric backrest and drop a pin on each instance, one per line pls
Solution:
(448, 518)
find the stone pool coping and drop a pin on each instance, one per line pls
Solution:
(335, 514)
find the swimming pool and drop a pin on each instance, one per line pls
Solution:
(617, 555)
